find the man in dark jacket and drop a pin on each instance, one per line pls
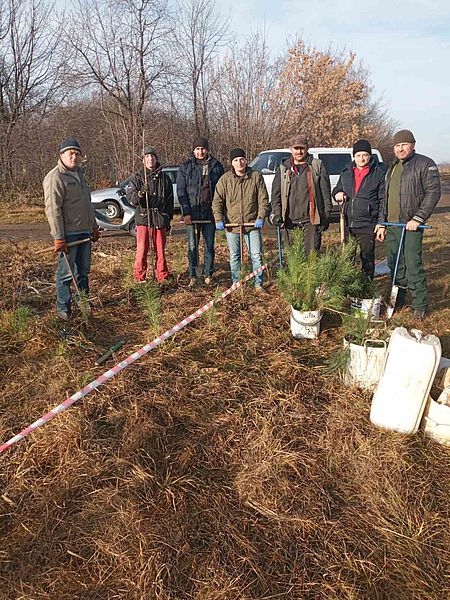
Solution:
(361, 189)
(301, 194)
(151, 191)
(413, 189)
(196, 183)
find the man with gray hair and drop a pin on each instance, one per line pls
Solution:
(411, 193)
(71, 218)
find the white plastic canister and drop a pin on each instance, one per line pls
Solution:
(305, 324)
(412, 360)
(436, 419)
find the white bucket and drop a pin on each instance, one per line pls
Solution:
(412, 360)
(365, 363)
(305, 324)
(436, 420)
(367, 306)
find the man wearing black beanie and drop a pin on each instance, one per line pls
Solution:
(241, 197)
(196, 182)
(360, 191)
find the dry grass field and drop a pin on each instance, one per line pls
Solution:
(225, 464)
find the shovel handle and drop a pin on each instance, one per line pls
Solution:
(77, 243)
(240, 224)
(404, 225)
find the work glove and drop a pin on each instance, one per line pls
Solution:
(220, 226)
(143, 190)
(275, 220)
(259, 223)
(60, 246)
(95, 236)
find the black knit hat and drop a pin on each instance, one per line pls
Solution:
(237, 153)
(149, 150)
(200, 142)
(362, 146)
(69, 144)
(404, 136)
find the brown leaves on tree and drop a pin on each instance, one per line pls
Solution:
(323, 94)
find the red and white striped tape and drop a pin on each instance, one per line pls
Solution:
(125, 363)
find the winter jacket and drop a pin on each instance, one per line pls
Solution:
(159, 198)
(319, 190)
(67, 202)
(189, 187)
(420, 188)
(363, 208)
(240, 199)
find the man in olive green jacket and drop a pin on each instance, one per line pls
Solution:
(71, 218)
(241, 198)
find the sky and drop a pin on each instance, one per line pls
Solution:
(405, 45)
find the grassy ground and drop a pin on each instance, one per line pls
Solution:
(226, 464)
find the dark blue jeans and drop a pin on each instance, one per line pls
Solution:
(208, 231)
(80, 263)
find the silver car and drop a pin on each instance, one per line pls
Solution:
(109, 200)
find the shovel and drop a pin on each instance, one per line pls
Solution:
(69, 245)
(394, 290)
(280, 250)
(342, 220)
(104, 357)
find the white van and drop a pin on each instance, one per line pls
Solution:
(334, 159)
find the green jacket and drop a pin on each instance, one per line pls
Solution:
(240, 199)
(67, 202)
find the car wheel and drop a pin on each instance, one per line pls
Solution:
(113, 210)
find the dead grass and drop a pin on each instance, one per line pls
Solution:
(223, 465)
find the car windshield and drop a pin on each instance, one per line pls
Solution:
(268, 162)
(335, 163)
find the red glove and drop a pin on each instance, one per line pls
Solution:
(95, 234)
(60, 246)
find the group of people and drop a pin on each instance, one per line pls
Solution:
(237, 202)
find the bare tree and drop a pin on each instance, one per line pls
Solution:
(201, 33)
(29, 73)
(242, 112)
(122, 52)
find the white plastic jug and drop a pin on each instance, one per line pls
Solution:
(436, 418)
(412, 360)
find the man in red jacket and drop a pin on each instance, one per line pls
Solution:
(361, 188)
